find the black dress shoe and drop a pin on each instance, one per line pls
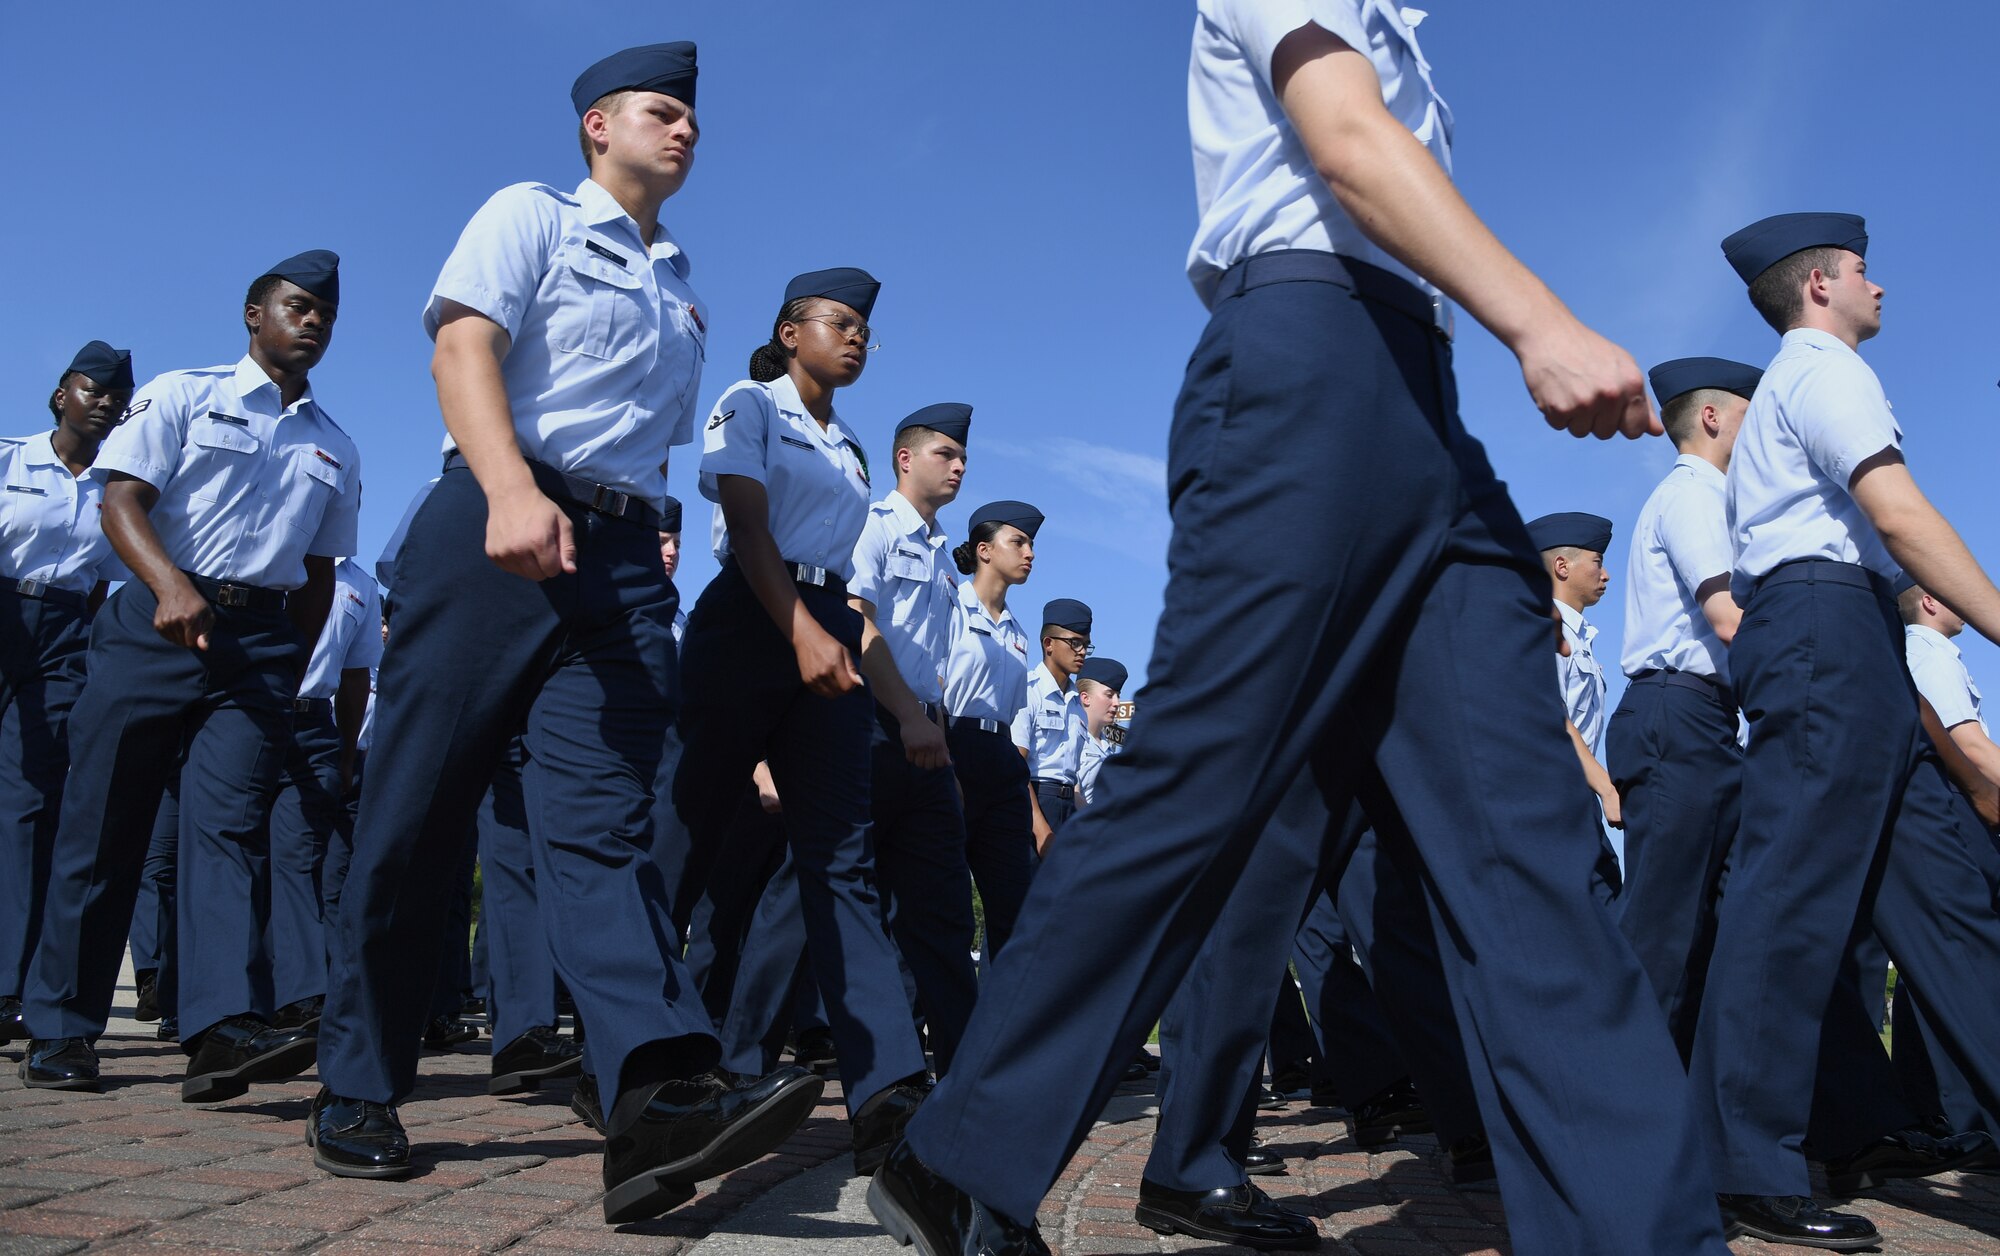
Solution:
(584, 1102)
(669, 1135)
(1472, 1165)
(356, 1138)
(442, 1034)
(1242, 1215)
(917, 1206)
(60, 1064)
(236, 1052)
(303, 1014)
(1294, 1081)
(1134, 1074)
(815, 1050)
(879, 1124)
(1147, 1060)
(1323, 1096)
(1909, 1153)
(1258, 1162)
(1795, 1219)
(146, 1006)
(13, 1024)
(1388, 1116)
(526, 1062)
(169, 1030)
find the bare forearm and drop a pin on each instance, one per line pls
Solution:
(309, 603)
(1930, 549)
(128, 525)
(746, 512)
(472, 394)
(350, 708)
(885, 681)
(1593, 771)
(1967, 775)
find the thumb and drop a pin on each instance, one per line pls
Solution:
(566, 542)
(201, 641)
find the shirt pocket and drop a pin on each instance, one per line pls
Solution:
(904, 565)
(311, 484)
(600, 307)
(220, 459)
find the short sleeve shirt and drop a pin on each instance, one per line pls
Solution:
(352, 637)
(987, 676)
(815, 477)
(899, 568)
(1090, 761)
(1679, 544)
(1818, 413)
(607, 338)
(1051, 728)
(1940, 674)
(1582, 679)
(1255, 188)
(249, 486)
(51, 522)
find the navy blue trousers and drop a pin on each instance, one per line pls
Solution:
(42, 649)
(1291, 1032)
(1058, 804)
(1818, 666)
(157, 911)
(304, 816)
(1404, 619)
(458, 972)
(745, 703)
(521, 993)
(229, 706)
(583, 665)
(1679, 772)
(673, 847)
(999, 831)
(1354, 1053)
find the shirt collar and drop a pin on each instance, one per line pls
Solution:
(1817, 339)
(41, 451)
(601, 208)
(785, 394)
(1573, 620)
(1925, 632)
(250, 377)
(1702, 467)
(968, 597)
(910, 521)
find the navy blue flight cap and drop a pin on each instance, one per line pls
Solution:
(670, 515)
(1016, 514)
(668, 69)
(1067, 612)
(1768, 241)
(315, 270)
(1107, 672)
(1684, 375)
(947, 418)
(849, 285)
(103, 364)
(1572, 528)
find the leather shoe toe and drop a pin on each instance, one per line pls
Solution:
(878, 1126)
(1259, 1162)
(13, 1024)
(1242, 1215)
(915, 1205)
(356, 1138)
(667, 1136)
(1910, 1153)
(1388, 1116)
(534, 1057)
(60, 1064)
(241, 1050)
(1795, 1219)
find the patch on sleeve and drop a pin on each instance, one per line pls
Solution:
(136, 408)
(720, 419)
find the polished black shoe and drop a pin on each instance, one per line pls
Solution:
(1258, 1162)
(917, 1206)
(356, 1138)
(60, 1064)
(1388, 1116)
(1135, 1073)
(236, 1052)
(442, 1034)
(13, 1024)
(1795, 1219)
(539, 1055)
(1472, 1165)
(1147, 1060)
(1294, 1081)
(169, 1030)
(879, 1124)
(303, 1014)
(1325, 1097)
(584, 1102)
(1242, 1215)
(146, 1005)
(1910, 1153)
(1269, 1100)
(815, 1050)
(670, 1135)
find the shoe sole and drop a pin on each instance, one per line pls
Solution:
(530, 1078)
(1165, 1223)
(273, 1066)
(1370, 1137)
(751, 1136)
(1268, 1170)
(1741, 1229)
(903, 1222)
(377, 1171)
(1849, 1186)
(90, 1084)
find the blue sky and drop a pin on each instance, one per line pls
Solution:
(1018, 177)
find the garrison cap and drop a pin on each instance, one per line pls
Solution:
(1684, 375)
(668, 69)
(947, 418)
(1571, 528)
(104, 364)
(1768, 241)
(1107, 672)
(670, 515)
(849, 285)
(1016, 514)
(1067, 612)
(315, 270)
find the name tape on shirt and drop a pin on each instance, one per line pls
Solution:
(795, 442)
(27, 488)
(220, 417)
(606, 254)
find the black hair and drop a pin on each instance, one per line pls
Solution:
(55, 398)
(967, 554)
(771, 360)
(260, 292)
(1776, 293)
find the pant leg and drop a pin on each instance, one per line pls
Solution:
(162, 872)
(999, 831)
(1355, 1054)
(1856, 1096)
(1291, 1033)
(446, 997)
(42, 666)
(1056, 808)
(340, 849)
(673, 845)
(303, 819)
(522, 992)
(1871, 982)
(722, 921)
(1819, 668)
(770, 958)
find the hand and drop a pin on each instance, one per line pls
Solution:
(924, 744)
(529, 535)
(1614, 812)
(1585, 385)
(825, 665)
(184, 616)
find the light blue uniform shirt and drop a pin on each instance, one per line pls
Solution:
(248, 485)
(899, 567)
(1583, 683)
(1818, 413)
(1680, 543)
(352, 636)
(987, 675)
(1090, 761)
(813, 476)
(1941, 676)
(51, 522)
(1050, 726)
(1256, 189)
(607, 337)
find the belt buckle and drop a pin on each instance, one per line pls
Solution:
(232, 595)
(609, 500)
(810, 575)
(31, 588)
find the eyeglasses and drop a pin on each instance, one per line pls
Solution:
(1080, 644)
(845, 327)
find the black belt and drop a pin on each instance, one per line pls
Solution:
(1360, 278)
(1707, 685)
(40, 591)
(588, 494)
(801, 573)
(246, 597)
(1825, 571)
(983, 725)
(313, 706)
(1063, 788)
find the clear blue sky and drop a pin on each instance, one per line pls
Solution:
(1018, 177)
